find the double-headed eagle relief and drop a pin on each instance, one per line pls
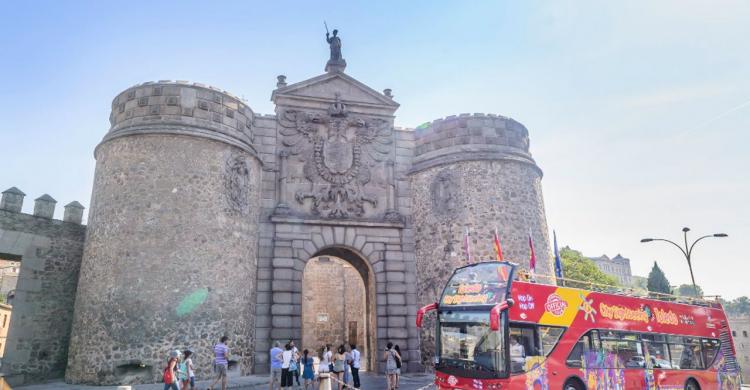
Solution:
(339, 150)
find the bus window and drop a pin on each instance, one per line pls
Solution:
(685, 353)
(587, 342)
(523, 344)
(659, 354)
(710, 347)
(549, 336)
(625, 346)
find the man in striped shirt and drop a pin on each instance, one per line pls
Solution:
(221, 361)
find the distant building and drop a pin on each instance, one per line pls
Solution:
(8, 275)
(740, 327)
(618, 267)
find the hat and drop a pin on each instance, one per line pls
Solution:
(175, 353)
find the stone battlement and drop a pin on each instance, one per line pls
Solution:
(470, 137)
(180, 107)
(44, 206)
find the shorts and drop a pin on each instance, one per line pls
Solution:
(220, 370)
(275, 375)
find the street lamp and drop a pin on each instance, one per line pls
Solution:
(687, 250)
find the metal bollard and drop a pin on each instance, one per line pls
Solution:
(325, 381)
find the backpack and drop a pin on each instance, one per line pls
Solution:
(168, 376)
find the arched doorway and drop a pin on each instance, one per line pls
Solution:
(338, 303)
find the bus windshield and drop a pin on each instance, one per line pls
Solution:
(477, 284)
(467, 347)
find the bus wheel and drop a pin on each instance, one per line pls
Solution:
(575, 384)
(692, 385)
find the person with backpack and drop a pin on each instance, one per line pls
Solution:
(221, 363)
(390, 365)
(169, 376)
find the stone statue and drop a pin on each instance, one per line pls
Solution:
(336, 63)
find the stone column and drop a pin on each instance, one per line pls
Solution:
(282, 208)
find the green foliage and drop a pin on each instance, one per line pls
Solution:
(739, 307)
(657, 281)
(577, 267)
(686, 290)
(639, 282)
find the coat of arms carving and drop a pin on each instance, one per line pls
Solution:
(339, 149)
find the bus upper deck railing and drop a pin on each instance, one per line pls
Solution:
(705, 300)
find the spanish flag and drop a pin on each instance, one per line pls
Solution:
(498, 248)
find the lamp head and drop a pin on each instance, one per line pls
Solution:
(685, 229)
(647, 239)
(721, 235)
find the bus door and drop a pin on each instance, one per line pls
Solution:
(657, 361)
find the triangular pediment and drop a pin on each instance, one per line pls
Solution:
(326, 86)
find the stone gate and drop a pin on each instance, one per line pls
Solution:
(204, 215)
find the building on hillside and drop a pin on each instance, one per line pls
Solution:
(4, 325)
(8, 275)
(740, 327)
(618, 266)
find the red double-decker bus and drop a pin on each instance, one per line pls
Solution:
(496, 333)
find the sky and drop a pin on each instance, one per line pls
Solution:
(638, 111)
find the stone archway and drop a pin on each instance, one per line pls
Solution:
(338, 302)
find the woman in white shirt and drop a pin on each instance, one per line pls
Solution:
(286, 375)
(325, 360)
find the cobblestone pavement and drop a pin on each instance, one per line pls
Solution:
(256, 382)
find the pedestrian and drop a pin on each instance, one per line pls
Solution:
(347, 367)
(390, 365)
(286, 375)
(398, 364)
(339, 363)
(356, 359)
(168, 376)
(189, 370)
(308, 372)
(182, 375)
(221, 363)
(276, 361)
(294, 366)
(325, 366)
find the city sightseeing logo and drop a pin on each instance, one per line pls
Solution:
(555, 305)
(452, 380)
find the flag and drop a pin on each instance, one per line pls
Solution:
(498, 248)
(558, 262)
(467, 246)
(532, 258)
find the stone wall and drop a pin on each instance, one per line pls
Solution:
(170, 255)
(473, 172)
(50, 251)
(333, 296)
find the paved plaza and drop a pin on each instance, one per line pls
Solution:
(370, 381)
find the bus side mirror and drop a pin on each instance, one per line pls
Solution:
(495, 314)
(421, 312)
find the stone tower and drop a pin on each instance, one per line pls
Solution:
(170, 253)
(473, 172)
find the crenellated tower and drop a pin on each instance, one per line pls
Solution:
(170, 254)
(475, 173)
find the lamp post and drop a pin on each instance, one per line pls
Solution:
(687, 250)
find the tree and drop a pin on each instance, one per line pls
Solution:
(577, 267)
(739, 307)
(686, 290)
(657, 281)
